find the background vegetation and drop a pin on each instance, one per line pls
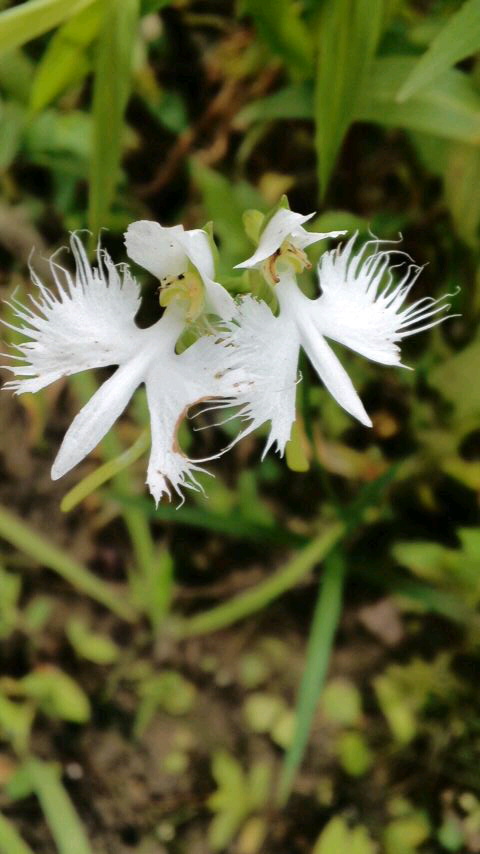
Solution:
(168, 683)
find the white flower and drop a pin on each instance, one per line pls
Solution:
(361, 306)
(166, 253)
(89, 323)
(285, 230)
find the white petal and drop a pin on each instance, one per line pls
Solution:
(283, 224)
(204, 372)
(361, 303)
(267, 349)
(97, 416)
(87, 322)
(331, 372)
(157, 248)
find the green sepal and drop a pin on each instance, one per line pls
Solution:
(253, 224)
(295, 449)
(208, 229)
(260, 289)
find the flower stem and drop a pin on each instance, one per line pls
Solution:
(254, 600)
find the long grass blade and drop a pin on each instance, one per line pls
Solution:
(459, 38)
(320, 642)
(259, 597)
(348, 37)
(20, 535)
(23, 23)
(110, 95)
(60, 814)
(10, 840)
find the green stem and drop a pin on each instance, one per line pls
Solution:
(20, 535)
(325, 621)
(254, 600)
(10, 840)
(105, 472)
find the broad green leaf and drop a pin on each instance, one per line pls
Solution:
(57, 694)
(459, 38)
(60, 814)
(16, 74)
(12, 119)
(462, 172)
(449, 108)
(65, 60)
(337, 838)
(34, 17)
(113, 71)
(348, 35)
(453, 379)
(280, 25)
(292, 102)
(10, 840)
(91, 645)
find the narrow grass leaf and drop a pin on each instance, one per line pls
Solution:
(22, 23)
(448, 108)
(262, 594)
(280, 25)
(322, 633)
(113, 72)
(459, 38)
(231, 525)
(27, 541)
(60, 814)
(291, 102)
(65, 60)
(348, 36)
(10, 840)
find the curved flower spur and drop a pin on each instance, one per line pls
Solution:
(360, 306)
(89, 323)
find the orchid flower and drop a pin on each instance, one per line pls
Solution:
(361, 306)
(89, 323)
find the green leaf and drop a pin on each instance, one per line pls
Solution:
(280, 25)
(60, 814)
(462, 172)
(348, 37)
(10, 840)
(110, 95)
(459, 38)
(453, 379)
(57, 694)
(91, 645)
(337, 837)
(292, 102)
(65, 61)
(448, 108)
(22, 23)
(20, 535)
(322, 634)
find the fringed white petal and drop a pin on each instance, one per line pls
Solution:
(362, 298)
(86, 322)
(167, 251)
(267, 349)
(285, 223)
(204, 372)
